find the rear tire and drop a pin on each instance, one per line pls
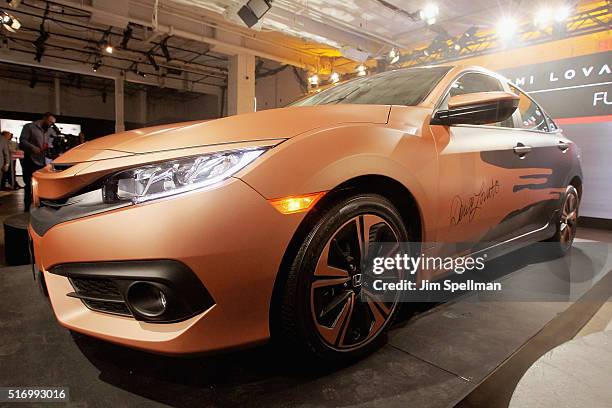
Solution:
(567, 222)
(320, 313)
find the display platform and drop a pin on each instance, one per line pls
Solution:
(438, 358)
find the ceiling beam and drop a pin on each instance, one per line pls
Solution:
(189, 28)
(60, 64)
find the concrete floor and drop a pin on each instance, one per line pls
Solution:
(434, 359)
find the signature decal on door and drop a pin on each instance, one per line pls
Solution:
(465, 210)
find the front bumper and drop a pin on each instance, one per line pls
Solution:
(229, 236)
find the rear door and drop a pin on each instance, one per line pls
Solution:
(548, 160)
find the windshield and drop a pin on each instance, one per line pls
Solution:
(407, 86)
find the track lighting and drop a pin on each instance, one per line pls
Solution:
(334, 77)
(151, 59)
(39, 43)
(164, 48)
(138, 72)
(361, 70)
(127, 36)
(96, 65)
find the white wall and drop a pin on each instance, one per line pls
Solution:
(278, 90)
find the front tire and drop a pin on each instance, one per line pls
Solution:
(321, 311)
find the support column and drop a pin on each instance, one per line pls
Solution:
(241, 84)
(56, 96)
(119, 105)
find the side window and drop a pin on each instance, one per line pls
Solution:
(532, 116)
(475, 82)
(552, 126)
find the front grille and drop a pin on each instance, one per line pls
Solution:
(100, 294)
(108, 307)
(104, 288)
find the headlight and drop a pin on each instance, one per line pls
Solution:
(177, 176)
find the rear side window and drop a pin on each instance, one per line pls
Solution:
(552, 126)
(532, 117)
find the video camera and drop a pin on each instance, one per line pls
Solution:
(62, 142)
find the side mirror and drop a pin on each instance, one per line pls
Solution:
(477, 109)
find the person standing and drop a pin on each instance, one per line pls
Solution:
(34, 141)
(5, 154)
(14, 149)
(9, 177)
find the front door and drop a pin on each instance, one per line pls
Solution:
(480, 167)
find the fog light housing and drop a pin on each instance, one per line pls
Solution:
(147, 299)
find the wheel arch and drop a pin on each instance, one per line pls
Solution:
(576, 181)
(399, 195)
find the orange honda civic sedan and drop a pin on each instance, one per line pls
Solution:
(212, 235)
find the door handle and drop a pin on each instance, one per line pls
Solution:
(521, 150)
(563, 146)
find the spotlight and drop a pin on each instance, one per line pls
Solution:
(13, 3)
(108, 48)
(562, 13)
(542, 18)
(313, 80)
(9, 22)
(253, 11)
(334, 77)
(96, 66)
(394, 56)
(164, 48)
(138, 72)
(429, 13)
(506, 28)
(127, 36)
(361, 70)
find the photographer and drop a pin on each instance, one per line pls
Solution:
(34, 142)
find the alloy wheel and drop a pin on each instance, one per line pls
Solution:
(346, 314)
(569, 217)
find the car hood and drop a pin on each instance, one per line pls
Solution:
(251, 127)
